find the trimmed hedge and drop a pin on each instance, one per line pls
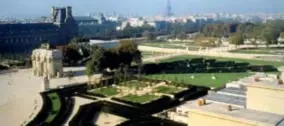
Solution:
(196, 60)
(200, 65)
(150, 106)
(264, 68)
(95, 94)
(67, 104)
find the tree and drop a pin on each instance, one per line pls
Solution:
(149, 35)
(237, 39)
(282, 35)
(270, 36)
(118, 75)
(96, 64)
(254, 42)
(205, 41)
(182, 36)
(125, 71)
(177, 28)
(119, 57)
(128, 50)
(219, 42)
(89, 69)
(71, 56)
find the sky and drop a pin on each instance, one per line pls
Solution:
(138, 7)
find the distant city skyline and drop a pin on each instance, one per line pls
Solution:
(23, 8)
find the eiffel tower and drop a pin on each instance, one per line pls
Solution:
(169, 12)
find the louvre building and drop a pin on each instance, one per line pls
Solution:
(22, 38)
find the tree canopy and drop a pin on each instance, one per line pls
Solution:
(237, 39)
(149, 35)
(121, 56)
(270, 36)
(205, 41)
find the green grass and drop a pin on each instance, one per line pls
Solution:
(201, 79)
(163, 45)
(273, 51)
(56, 105)
(252, 62)
(167, 90)
(134, 84)
(108, 91)
(140, 99)
(149, 54)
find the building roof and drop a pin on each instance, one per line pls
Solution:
(28, 26)
(84, 18)
(25, 28)
(237, 114)
(264, 82)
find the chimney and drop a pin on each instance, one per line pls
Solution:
(68, 11)
(52, 11)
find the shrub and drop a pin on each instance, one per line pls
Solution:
(196, 60)
(209, 61)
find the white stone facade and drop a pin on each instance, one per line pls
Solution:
(47, 63)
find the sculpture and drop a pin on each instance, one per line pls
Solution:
(47, 62)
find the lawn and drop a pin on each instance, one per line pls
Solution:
(149, 54)
(56, 105)
(167, 90)
(201, 79)
(252, 62)
(273, 51)
(163, 45)
(140, 99)
(107, 91)
(134, 84)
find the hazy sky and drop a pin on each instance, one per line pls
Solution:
(140, 7)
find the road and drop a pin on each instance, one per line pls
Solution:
(217, 52)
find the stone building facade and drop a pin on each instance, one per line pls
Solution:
(23, 38)
(47, 63)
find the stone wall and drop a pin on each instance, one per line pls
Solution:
(265, 99)
(201, 119)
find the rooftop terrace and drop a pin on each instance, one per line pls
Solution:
(237, 114)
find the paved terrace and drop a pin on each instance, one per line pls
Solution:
(78, 103)
(20, 99)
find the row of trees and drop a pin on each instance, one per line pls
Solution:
(268, 32)
(176, 29)
(112, 33)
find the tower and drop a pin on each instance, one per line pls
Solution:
(169, 12)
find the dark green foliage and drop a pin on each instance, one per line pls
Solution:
(268, 31)
(201, 65)
(120, 57)
(97, 61)
(196, 60)
(149, 35)
(270, 35)
(237, 39)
